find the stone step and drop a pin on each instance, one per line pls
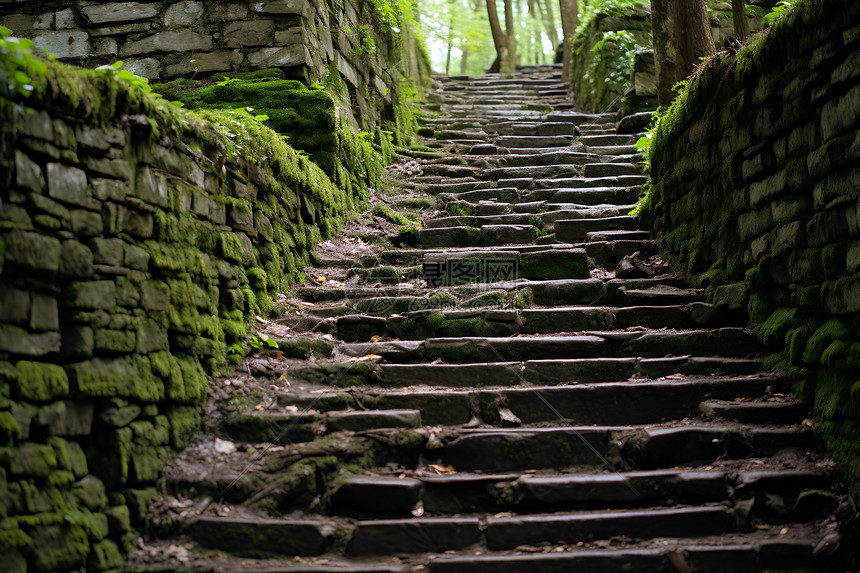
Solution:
(472, 347)
(750, 554)
(510, 374)
(624, 152)
(755, 411)
(530, 218)
(624, 292)
(608, 140)
(538, 171)
(610, 169)
(456, 492)
(576, 230)
(534, 141)
(391, 536)
(648, 447)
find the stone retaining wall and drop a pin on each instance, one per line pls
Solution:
(755, 174)
(136, 243)
(345, 42)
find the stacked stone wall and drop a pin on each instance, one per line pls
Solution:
(755, 179)
(136, 244)
(346, 42)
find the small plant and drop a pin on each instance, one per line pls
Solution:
(366, 42)
(17, 62)
(258, 342)
(777, 12)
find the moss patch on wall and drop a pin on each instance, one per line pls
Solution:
(749, 172)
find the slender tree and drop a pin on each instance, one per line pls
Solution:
(682, 37)
(739, 19)
(569, 21)
(504, 40)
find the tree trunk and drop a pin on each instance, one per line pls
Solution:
(548, 17)
(463, 60)
(499, 39)
(739, 18)
(509, 65)
(681, 37)
(569, 21)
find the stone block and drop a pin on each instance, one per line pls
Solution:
(117, 12)
(827, 228)
(791, 208)
(185, 41)
(90, 295)
(105, 47)
(836, 187)
(183, 13)
(68, 184)
(14, 305)
(86, 223)
(119, 341)
(772, 186)
(155, 296)
(28, 173)
(841, 114)
(135, 258)
(65, 19)
(755, 223)
(149, 68)
(107, 251)
(844, 298)
(32, 251)
(40, 382)
(211, 62)
(792, 235)
(281, 7)
(78, 342)
(107, 167)
(127, 294)
(150, 337)
(64, 44)
(76, 260)
(135, 223)
(109, 189)
(295, 55)
(151, 187)
(43, 312)
(250, 33)
(38, 125)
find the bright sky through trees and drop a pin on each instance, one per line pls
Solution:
(459, 39)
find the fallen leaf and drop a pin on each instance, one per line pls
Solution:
(308, 303)
(261, 320)
(441, 469)
(418, 510)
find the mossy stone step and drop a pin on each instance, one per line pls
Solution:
(625, 151)
(543, 171)
(259, 536)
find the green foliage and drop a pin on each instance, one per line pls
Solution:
(367, 44)
(18, 64)
(777, 12)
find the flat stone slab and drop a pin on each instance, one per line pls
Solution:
(576, 230)
(369, 419)
(510, 532)
(418, 535)
(248, 536)
(381, 495)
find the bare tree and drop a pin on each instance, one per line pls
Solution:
(682, 37)
(569, 21)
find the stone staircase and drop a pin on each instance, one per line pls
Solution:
(521, 387)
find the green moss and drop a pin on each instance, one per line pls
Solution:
(773, 330)
(825, 335)
(407, 237)
(40, 382)
(392, 216)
